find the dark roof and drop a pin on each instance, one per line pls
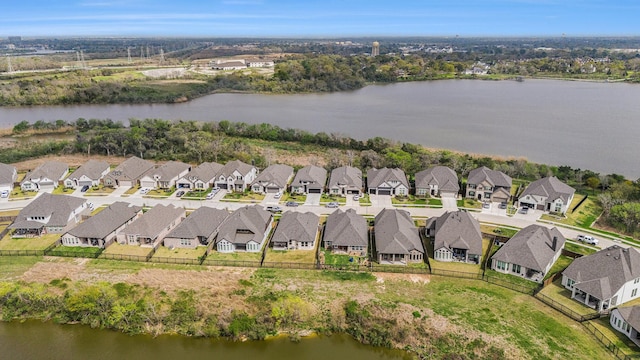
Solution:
(168, 170)
(310, 174)
(7, 174)
(205, 172)
(551, 188)
(532, 247)
(346, 228)
(631, 314)
(346, 176)
(444, 177)
(92, 169)
(58, 207)
(297, 226)
(154, 221)
(375, 177)
(277, 174)
(106, 221)
(603, 273)
(396, 233)
(254, 219)
(235, 165)
(460, 230)
(493, 177)
(131, 169)
(53, 170)
(204, 221)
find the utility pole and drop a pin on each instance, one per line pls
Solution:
(161, 56)
(9, 67)
(129, 55)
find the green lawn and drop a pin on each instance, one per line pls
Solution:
(132, 190)
(339, 259)
(287, 256)
(559, 265)
(408, 200)
(364, 200)
(133, 250)
(180, 253)
(76, 251)
(246, 196)
(469, 203)
(17, 193)
(583, 217)
(299, 198)
(161, 192)
(561, 295)
(237, 256)
(580, 249)
(434, 202)
(498, 230)
(62, 190)
(9, 213)
(512, 279)
(620, 340)
(325, 198)
(100, 190)
(35, 243)
(197, 194)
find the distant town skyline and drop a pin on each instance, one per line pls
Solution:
(329, 18)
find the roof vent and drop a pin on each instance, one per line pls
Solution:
(616, 257)
(608, 254)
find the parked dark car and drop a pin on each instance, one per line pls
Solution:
(292, 204)
(84, 188)
(179, 193)
(503, 205)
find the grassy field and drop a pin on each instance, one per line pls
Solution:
(133, 250)
(14, 266)
(99, 190)
(583, 217)
(161, 192)
(469, 203)
(287, 256)
(132, 190)
(63, 190)
(180, 253)
(35, 243)
(325, 198)
(408, 200)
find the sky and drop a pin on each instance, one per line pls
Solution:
(311, 18)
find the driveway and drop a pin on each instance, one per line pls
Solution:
(119, 191)
(449, 203)
(313, 199)
(269, 198)
(383, 201)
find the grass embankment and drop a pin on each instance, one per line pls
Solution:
(583, 217)
(434, 317)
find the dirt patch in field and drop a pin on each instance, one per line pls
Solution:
(414, 278)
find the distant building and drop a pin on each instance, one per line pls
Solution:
(375, 50)
(229, 64)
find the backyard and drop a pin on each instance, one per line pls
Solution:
(34, 243)
(179, 253)
(126, 250)
(291, 256)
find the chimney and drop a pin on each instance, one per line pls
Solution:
(555, 243)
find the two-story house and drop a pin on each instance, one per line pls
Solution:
(485, 184)
(547, 194)
(236, 176)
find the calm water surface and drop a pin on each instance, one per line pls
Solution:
(582, 124)
(33, 340)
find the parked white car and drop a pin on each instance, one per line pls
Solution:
(587, 239)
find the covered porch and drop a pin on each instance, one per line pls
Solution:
(590, 300)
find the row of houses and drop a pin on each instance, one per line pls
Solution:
(483, 184)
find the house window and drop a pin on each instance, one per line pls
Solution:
(570, 283)
(515, 268)
(185, 242)
(558, 207)
(501, 265)
(471, 186)
(472, 193)
(634, 292)
(636, 281)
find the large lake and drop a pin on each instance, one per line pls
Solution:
(37, 340)
(585, 125)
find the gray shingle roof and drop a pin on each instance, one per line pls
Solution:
(459, 230)
(106, 221)
(235, 165)
(531, 247)
(631, 314)
(346, 176)
(276, 174)
(168, 170)
(346, 228)
(204, 221)
(311, 174)
(59, 207)
(603, 273)
(6, 174)
(53, 170)
(92, 169)
(375, 177)
(205, 172)
(131, 169)
(154, 221)
(551, 188)
(296, 226)
(253, 219)
(493, 177)
(444, 177)
(396, 233)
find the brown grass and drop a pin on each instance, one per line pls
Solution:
(73, 160)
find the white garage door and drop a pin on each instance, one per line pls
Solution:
(147, 184)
